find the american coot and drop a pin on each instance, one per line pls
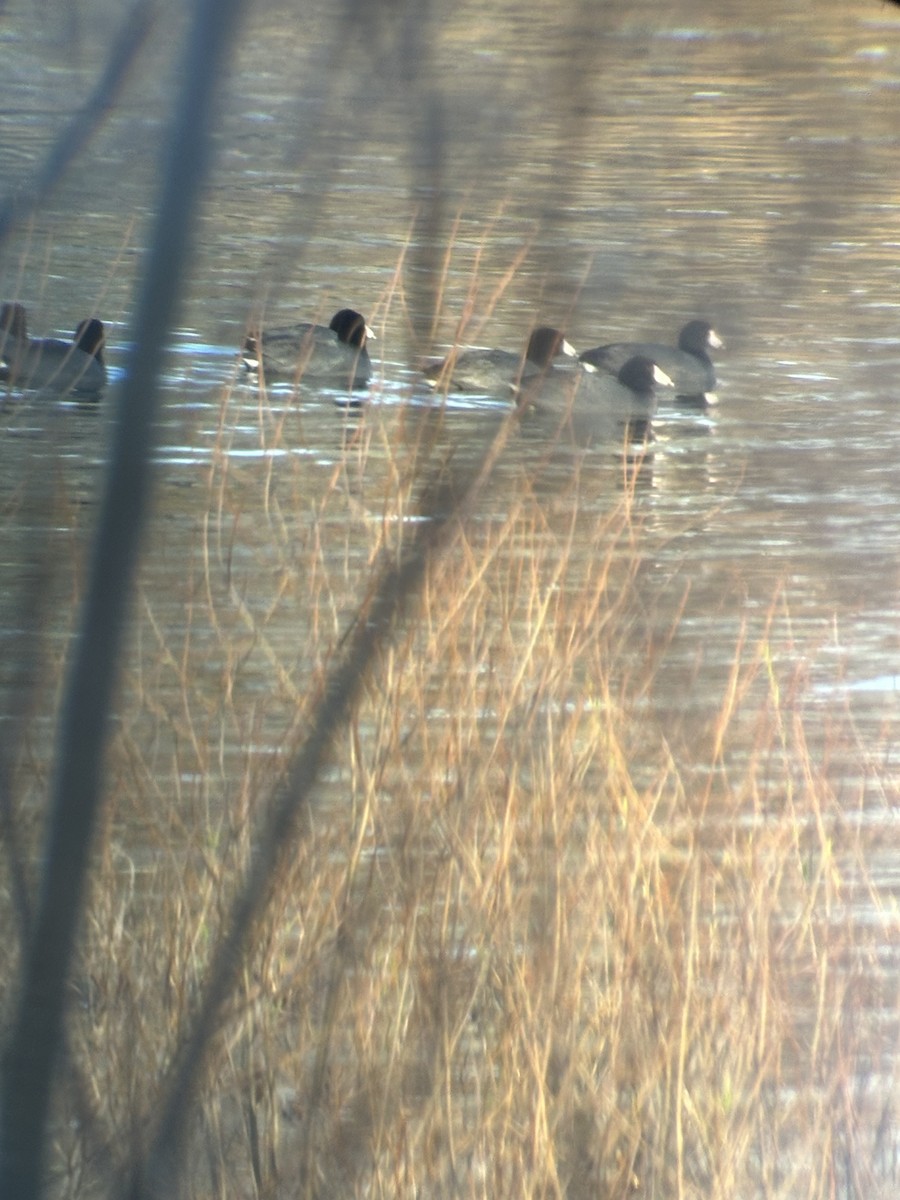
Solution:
(50, 363)
(498, 372)
(591, 393)
(331, 355)
(689, 365)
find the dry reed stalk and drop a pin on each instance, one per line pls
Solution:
(530, 941)
(509, 955)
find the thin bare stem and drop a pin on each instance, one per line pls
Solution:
(36, 1034)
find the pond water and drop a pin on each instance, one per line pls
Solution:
(614, 170)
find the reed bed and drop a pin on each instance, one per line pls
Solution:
(534, 933)
(527, 941)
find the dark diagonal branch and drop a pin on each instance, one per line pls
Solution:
(445, 500)
(82, 127)
(36, 1032)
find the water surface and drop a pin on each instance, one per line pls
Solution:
(616, 178)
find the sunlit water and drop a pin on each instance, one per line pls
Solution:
(742, 165)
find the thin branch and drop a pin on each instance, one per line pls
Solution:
(75, 137)
(446, 499)
(36, 1035)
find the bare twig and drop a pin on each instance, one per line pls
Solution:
(36, 1034)
(73, 139)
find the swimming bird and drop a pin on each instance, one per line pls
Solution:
(51, 364)
(497, 372)
(596, 405)
(688, 365)
(332, 355)
(631, 393)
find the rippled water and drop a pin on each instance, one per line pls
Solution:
(649, 166)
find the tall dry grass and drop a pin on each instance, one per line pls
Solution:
(524, 939)
(525, 943)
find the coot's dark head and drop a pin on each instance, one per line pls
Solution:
(544, 345)
(641, 375)
(12, 321)
(90, 337)
(351, 328)
(699, 337)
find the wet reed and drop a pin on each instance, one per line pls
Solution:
(529, 934)
(525, 941)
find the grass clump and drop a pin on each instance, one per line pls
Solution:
(529, 940)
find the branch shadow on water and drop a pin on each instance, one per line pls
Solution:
(448, 489)
(36, 1037)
